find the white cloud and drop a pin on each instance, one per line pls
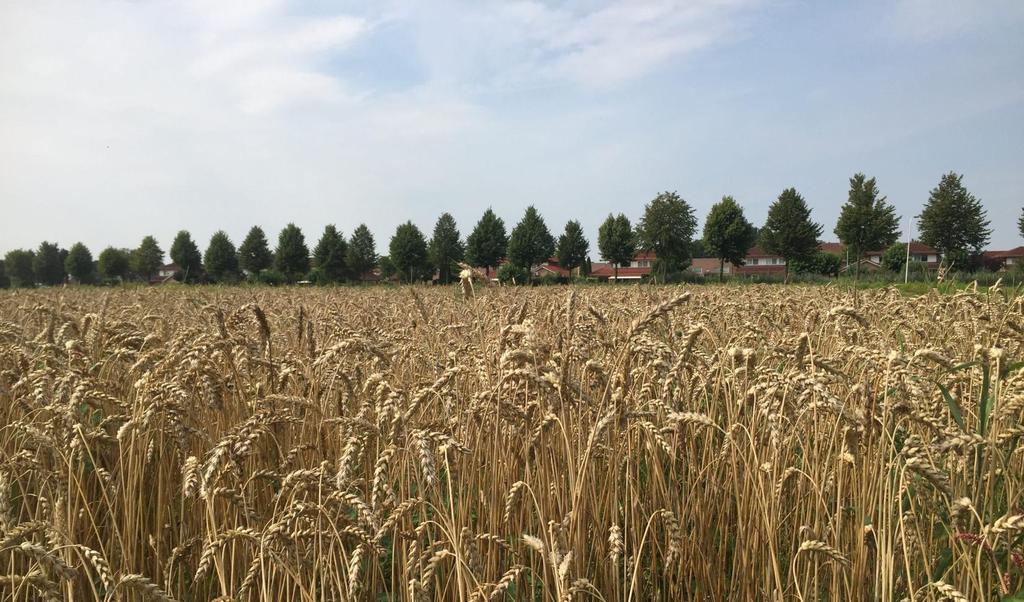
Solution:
(932, 20)
(299, 42)
(629, 39)
(509, 44)
(267, 89)
(153, 117)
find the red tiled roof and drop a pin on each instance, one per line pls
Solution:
(920, 248)
(705, 263)
(605, 270)
(553, 269)
(488, 273)
(836, 248)
(1015, 252)
(760, 269)
(757, 251)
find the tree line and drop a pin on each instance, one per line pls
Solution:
(952, 221)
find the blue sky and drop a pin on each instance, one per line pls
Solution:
(120, 119)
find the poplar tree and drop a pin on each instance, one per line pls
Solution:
(362, 252)
(408, 252)
(727, 234)
(531, 242)
(488, 243)
(147, 258)
(185, 253)
(254, 254)
(329, 255)
(866, 221)
(616, 241)
(291, 257)
(445, 248)
(221, 259)
(953, 221)
(667, 229)
(79, 264)
(572, 246)
(789, 231)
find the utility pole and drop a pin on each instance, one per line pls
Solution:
(906, 264)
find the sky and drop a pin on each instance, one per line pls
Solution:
(122, 118)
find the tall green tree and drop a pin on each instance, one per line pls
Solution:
(1020, 222)
(866, 222)
(953, 221)
(488, 243)
(48, 264)
(616, 241)
(666, 229)
(895, 257)
(79, 264)
(114, 264)
(185, 253)
(362, 252)
(20, 266)
(408, 253)
(727, 234)
(291, 257)
(446, 248)
(531, 242)
(572, 246)
(148, 258)
(387, 268)
(329, 255)
(5, 282)
(254, 254)
(221, 259)
(789, 231)
(697, 248)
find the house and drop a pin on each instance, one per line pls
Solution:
(760, 262)
(919, 252)
(643, 259)
(375, 275)
(872, 260)
(708, 266)
(551, 269)
(1001, 260)
(849, 263)
(833, 248)
(166, 273)
(489, 274)
(637, 269)
(606, 271)
(757, 262)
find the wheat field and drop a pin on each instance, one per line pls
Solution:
(550, 444)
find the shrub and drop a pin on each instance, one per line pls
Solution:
(513, 274)
(821, 263)
(271, 277)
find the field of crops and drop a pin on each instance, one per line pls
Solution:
(605, 443)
